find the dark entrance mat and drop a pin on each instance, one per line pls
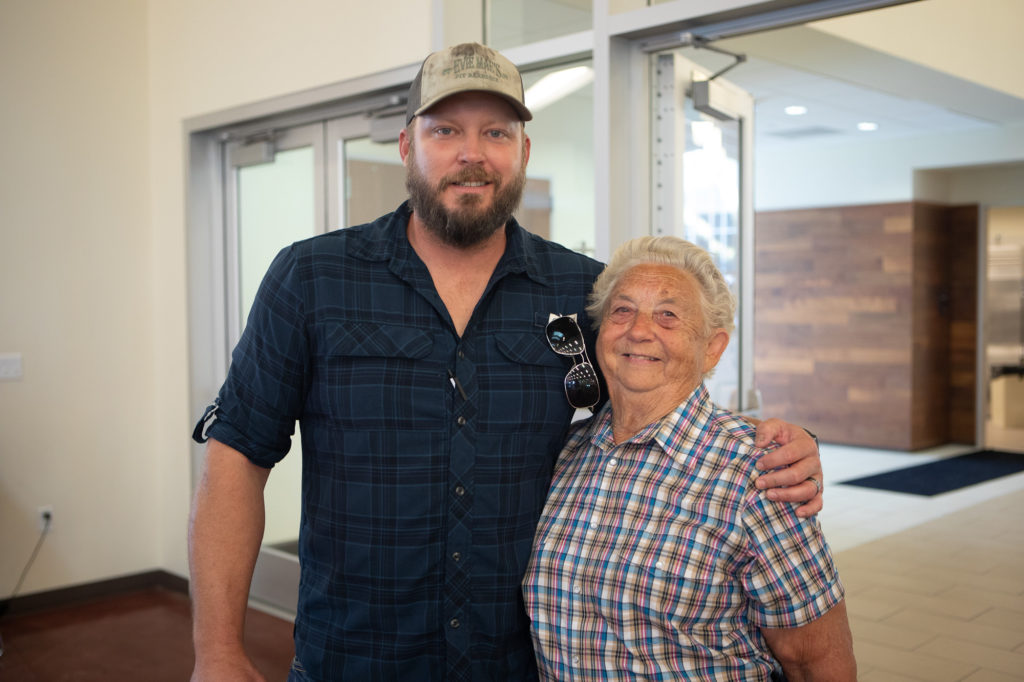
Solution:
(945, 475)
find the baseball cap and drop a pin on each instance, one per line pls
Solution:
(461, 68)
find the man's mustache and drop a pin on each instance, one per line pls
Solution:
(470, 175)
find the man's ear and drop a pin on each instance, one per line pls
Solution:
(403, 143)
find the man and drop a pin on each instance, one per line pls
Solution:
(412, 351)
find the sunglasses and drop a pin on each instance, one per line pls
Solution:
(566, 338)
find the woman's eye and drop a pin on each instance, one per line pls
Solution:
(668, 318)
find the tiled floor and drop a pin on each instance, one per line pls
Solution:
(935, 585)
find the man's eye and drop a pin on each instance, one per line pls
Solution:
(443, 131)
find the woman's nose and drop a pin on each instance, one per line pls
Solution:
(640, 327)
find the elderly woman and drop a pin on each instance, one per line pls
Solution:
(657, 557)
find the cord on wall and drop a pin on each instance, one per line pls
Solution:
(45, 518)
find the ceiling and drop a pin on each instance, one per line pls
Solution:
(842, 84)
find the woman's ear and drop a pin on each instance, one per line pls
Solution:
(717, 342)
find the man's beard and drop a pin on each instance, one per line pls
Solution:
(468, 224)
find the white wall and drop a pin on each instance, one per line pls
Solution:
(77, 432)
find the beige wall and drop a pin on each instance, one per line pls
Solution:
(93, 96)
(77, 300)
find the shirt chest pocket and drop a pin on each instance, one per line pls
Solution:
(373, 374)
(679, 568)
(527, 382)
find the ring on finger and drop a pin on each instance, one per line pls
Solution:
(817, 485)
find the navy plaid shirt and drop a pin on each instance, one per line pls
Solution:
(420, 495)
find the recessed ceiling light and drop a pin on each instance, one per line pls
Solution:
(867, 126)
(796, 110)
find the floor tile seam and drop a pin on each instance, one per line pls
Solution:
(995, 658)
(959, 637)
(912, 658)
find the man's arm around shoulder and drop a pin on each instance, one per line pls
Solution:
(820, 650)
(225, 531)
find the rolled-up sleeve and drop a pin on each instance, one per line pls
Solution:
(263, 394)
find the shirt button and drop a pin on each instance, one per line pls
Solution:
(612, 462)
(577, 589)
(460, 491)
(454, 622)
(456, 556)
(575, 660)
(461, 421)
(461, 354)
(660, 564)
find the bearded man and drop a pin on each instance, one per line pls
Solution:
(412, 351)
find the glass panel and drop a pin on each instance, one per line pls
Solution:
(373, 178)
(508, 24)
(275, 208)
(711, 203)
(559, 199)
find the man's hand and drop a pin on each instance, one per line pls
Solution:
(799, 457)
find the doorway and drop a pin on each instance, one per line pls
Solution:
(1003, 368)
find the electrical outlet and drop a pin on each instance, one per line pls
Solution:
(45, 518)
(10, 366)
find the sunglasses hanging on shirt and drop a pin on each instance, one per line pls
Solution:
(566, 338)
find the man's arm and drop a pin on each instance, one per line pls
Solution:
(799, 458)
(820, 650)
(225, 531)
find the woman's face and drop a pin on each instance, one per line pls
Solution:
(651, 344)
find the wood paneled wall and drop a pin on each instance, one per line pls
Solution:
(963, 312)
(930, 328)
(853, 326)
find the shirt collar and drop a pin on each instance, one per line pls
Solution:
(678, 433)
(386, 240)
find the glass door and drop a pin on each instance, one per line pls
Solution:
(701, 178)
(274, 197)
(365, 175)
(283, 186)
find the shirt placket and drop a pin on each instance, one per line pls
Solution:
(584, 584)
(458, 574)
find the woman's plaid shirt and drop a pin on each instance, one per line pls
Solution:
(659, 559)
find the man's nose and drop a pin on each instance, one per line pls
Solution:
(471, 150)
